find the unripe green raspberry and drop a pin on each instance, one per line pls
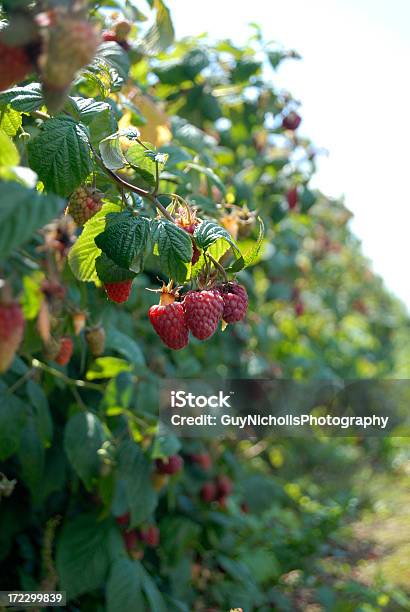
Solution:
(84, 203)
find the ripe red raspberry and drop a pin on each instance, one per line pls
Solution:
(299, 308)
(292, 198)
(118, 292)
(130, 539)
(95, 338)
(224, 487)
(235, 299)
(109, 36)
(208, 492)
(291, 121)
(203, 311)
(203, 460)
(168, 320)
(11, 332)
(123, 520)
(65, 351)
(15, 65)
(170, 466)
(72, 44)
(84, 203)
(150, 536)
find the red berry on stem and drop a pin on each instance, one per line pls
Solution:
(65, 351)
(123, 520)
(291, 121)
(208, 492)
(224, 487)
(118, 292)
(203, 311)
(203, 460)
(11, 332)
(235, 300)
(150, 536)
(169, 321)
(292, 197)
(130, 539)
(170, 466)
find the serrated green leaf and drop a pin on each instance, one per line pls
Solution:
(60, 155)
(100, 75)
(144, 161)
(31, 457)
(124, 242)
(208, 232)
(124, 586)
(9, 156)
(109, 272)
(215, 180)
(24, 99)
(13, 418)
(83, 254)
(107, 367)
(175, 250)
(41, 411)
(126, 346)
(96, 114)
(190, 136)
(161, 34)
(134, 471)
(85, 549)
(22, 212)
(252, 255)
(116, 57)
(155, 600)
(83, 436)
(111, 152)
(10, 121)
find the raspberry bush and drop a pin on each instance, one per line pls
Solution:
(129, 160)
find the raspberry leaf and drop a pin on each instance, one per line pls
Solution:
(109, 272)
(251, 256)
(144, 159)
(125, 240)
(22, 212)
(83, 436)
(9, 156)
(13, 417)
(116, 57)
(175, 250)
(24, 99)
(96, 115)
(161, 34)
(210, 174)
(83, 254)
(134, 484)
(80, 546)
(124, 586)
(10, 121)
(60, 155)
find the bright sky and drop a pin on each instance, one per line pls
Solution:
(354, 84)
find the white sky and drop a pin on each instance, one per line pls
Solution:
(354, 84)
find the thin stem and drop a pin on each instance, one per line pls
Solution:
(40, 115)
(218, 267)
(70, 381)
(20, 381)
(130, 187)
(156, 179)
